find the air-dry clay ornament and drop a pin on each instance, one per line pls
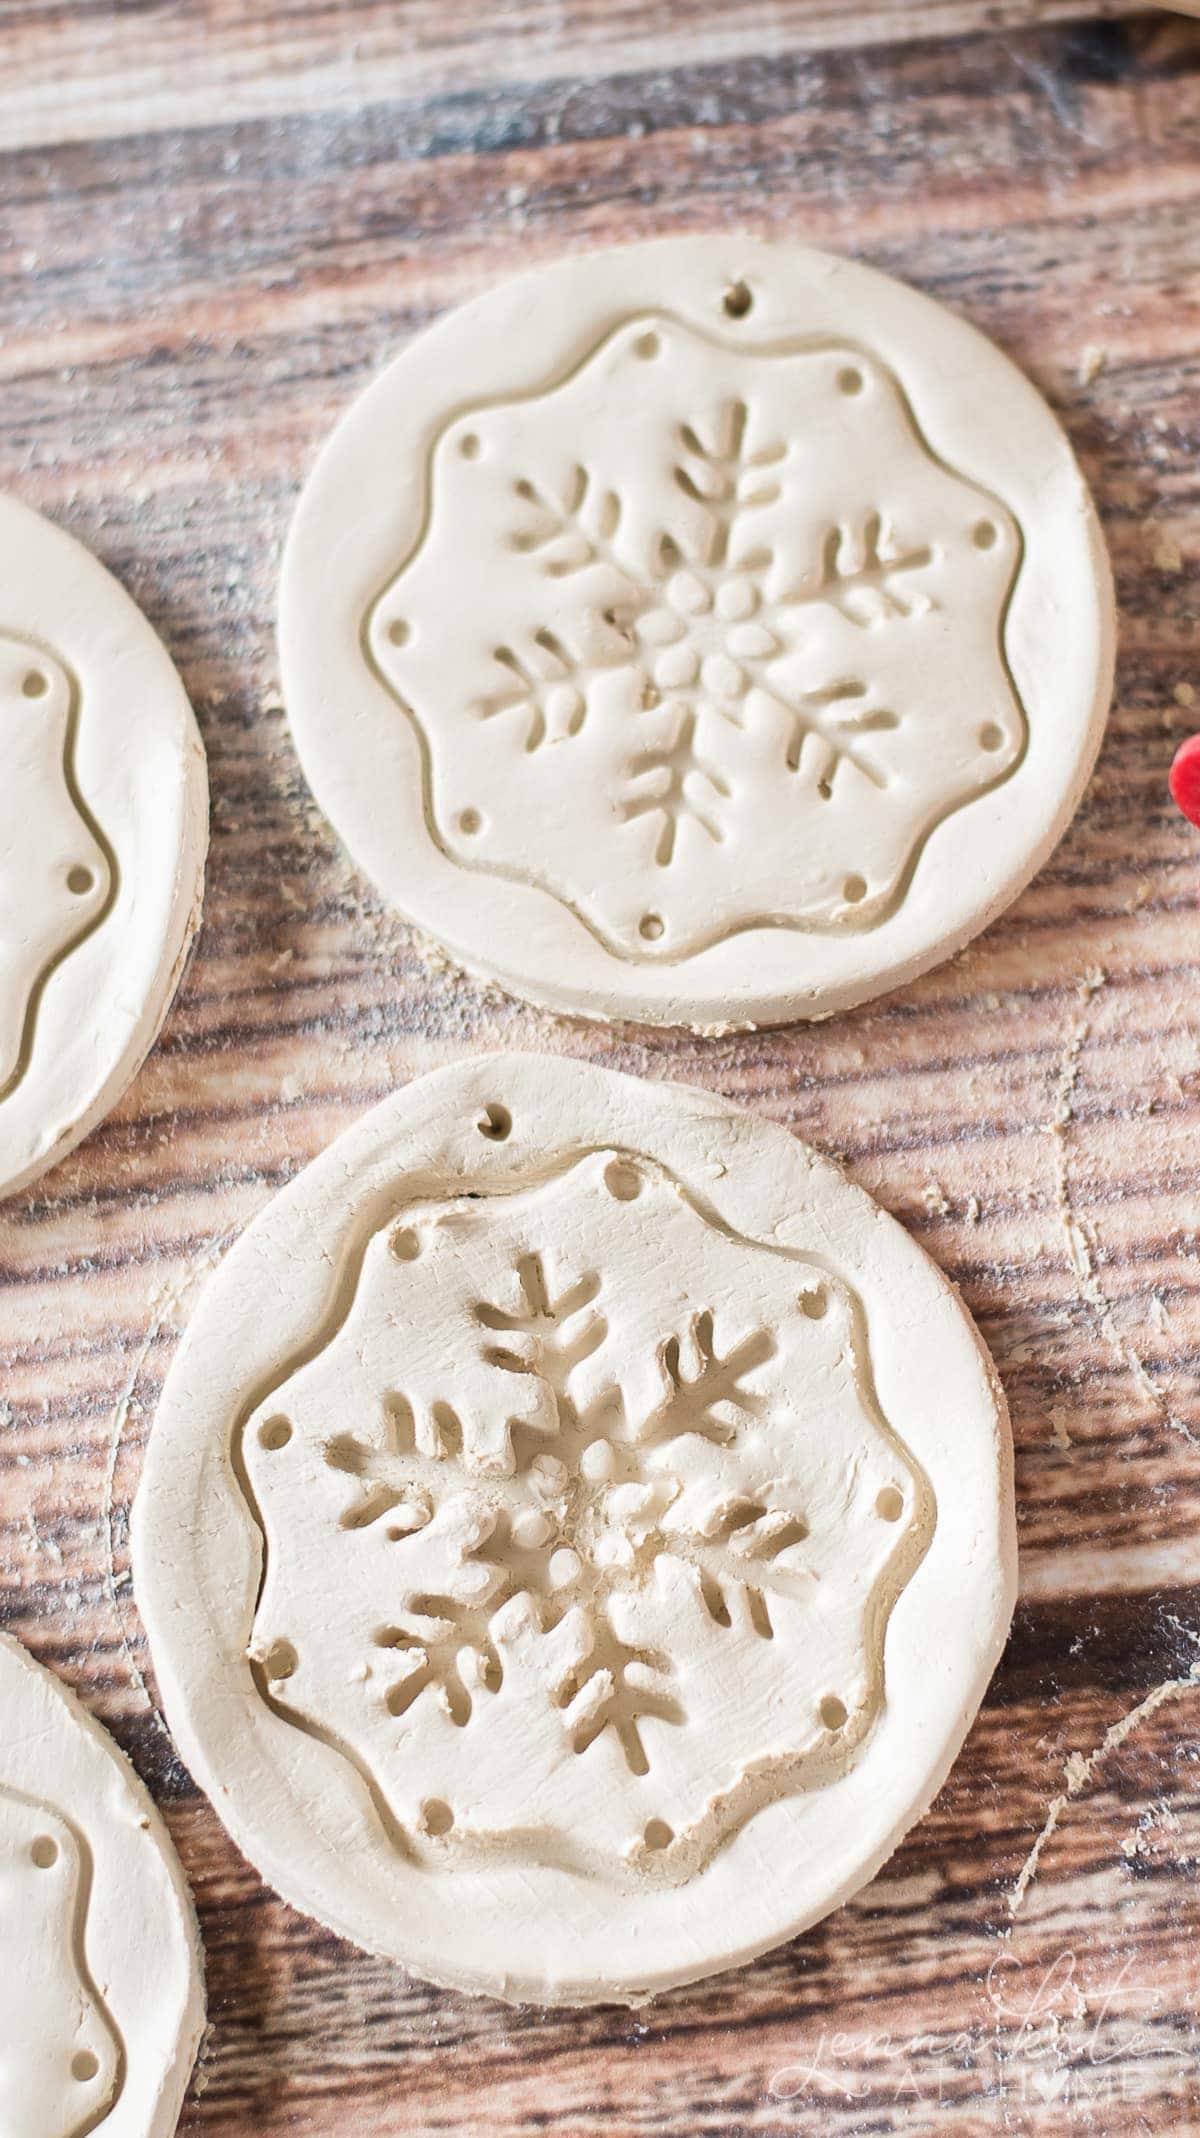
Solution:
(103, 1987)
(709, 631)
(103, 828)
(576, 1533)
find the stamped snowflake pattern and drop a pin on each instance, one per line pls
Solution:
(55, 877)
(582, 1529)
(726, 641)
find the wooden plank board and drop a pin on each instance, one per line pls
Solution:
(85, 74)
(218, 222)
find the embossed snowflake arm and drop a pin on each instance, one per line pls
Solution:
(565, 535)
(395, 1474)
(545, 678)
(616, 1687)
(706, 1390)
(726, 478)
(446, 1645)
(834, 718)
(739, 1555)
(671, 780)
(508, 1561)
(737, 1545)
(542, 687)
(545, 1334)
(858, 573)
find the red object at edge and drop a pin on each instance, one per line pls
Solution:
(1185, 778)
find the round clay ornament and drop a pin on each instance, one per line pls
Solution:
(562, 1568)
(104, 1999)
(709, 631)
(103, 828)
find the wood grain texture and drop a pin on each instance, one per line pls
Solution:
(91, 72)
(218, 221)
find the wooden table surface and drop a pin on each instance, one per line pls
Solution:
(217, 221)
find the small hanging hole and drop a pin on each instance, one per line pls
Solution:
(814, 1304)
(991, 736)
(274, 1433)
(436, 1816)
(281, 1662)
(622, 1180)
(984, 534)
(738, 300)
(470, 822)
(850, 380)
(398, 631)
(650, 927)
(889, 1503)
(405, 1244)
(647, 346)
(34, 684)
(80, 880)
(495, 1122)
(657, 1834)
(833, 1712)
(854, 890)
(84, 2065)
(44, 1851)
(470, 445)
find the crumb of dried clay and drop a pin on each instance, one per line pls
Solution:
(1058, 1430)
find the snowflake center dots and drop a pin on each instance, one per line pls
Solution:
(697, 636)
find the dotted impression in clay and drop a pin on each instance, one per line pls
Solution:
(57, 874)
(601, 1498)
(729, 643)
(706, 631)
(576, 1533)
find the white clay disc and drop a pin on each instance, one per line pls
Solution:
(103, 2001)
(103, 828)
(711, 632)
(576, 1533)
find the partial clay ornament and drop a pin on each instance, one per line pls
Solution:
(103, 828)
(104, 2002)
(563, 1570)
(710, 631)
